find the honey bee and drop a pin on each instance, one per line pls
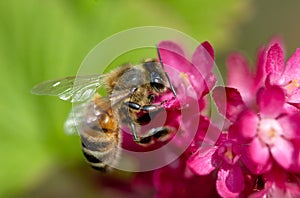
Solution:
(131, 92)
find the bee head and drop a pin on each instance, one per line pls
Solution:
(158, 78)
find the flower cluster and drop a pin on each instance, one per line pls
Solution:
(257, 152)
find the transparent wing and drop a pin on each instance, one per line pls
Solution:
(76, 117)
(73, 88)
(87, 113)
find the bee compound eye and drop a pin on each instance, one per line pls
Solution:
(157, 84)
(157, 80)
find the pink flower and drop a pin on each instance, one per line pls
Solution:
(192, 80)
(175, 180)
(223, 157)
(279, 183)
(287, 76)
(267, 135)
(240, 76)
(198, 71)
(256, 155)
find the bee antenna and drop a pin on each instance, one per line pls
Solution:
(171, 85)
(159, 57)
(169, 81)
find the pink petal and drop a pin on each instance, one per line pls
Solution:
(230, 182)
(290, 126)
(203, 58)
(271, 101)
(172, 55)
(259, 194)
(253, 166)
(209, 83)
(199, 74)
(202, 162)
(276, 192)
(291, 108)
(246, 126)
(209, 49)
(275, 62)
(197, 82)
(294, 96)
(295, 108)
(260, 70)
(292, 69)
(277, 39)
(283, 152)
(229, 102)
(239, 76)
(259, 152)
(171, 46)
(268, 82)
(207, 133)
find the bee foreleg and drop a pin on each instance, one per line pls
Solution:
(136, 106)
(150, 107)
(133, 105)
(153, 107)
(133, 131)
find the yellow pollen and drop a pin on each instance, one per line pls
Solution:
(272, 133)
(185, 77)
(294, 84)
(229, 154)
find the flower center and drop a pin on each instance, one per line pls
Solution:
(185, 77)
(269, 130)
(227, 153)
(293, 84)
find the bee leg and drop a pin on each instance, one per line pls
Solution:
(153, 107)
(133, 131)
(129, 121)
(133, 105)
(136, 106)
(155, 133)
(150, 107)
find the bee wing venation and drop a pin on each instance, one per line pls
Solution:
(80, 115)
(73, 88)
(119, 96)
(83, 114)
(75, 118)
(70, 126)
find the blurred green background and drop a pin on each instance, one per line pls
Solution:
(42, 40)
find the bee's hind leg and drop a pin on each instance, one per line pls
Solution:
(160, 133)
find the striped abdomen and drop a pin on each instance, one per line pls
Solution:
(100, 135)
